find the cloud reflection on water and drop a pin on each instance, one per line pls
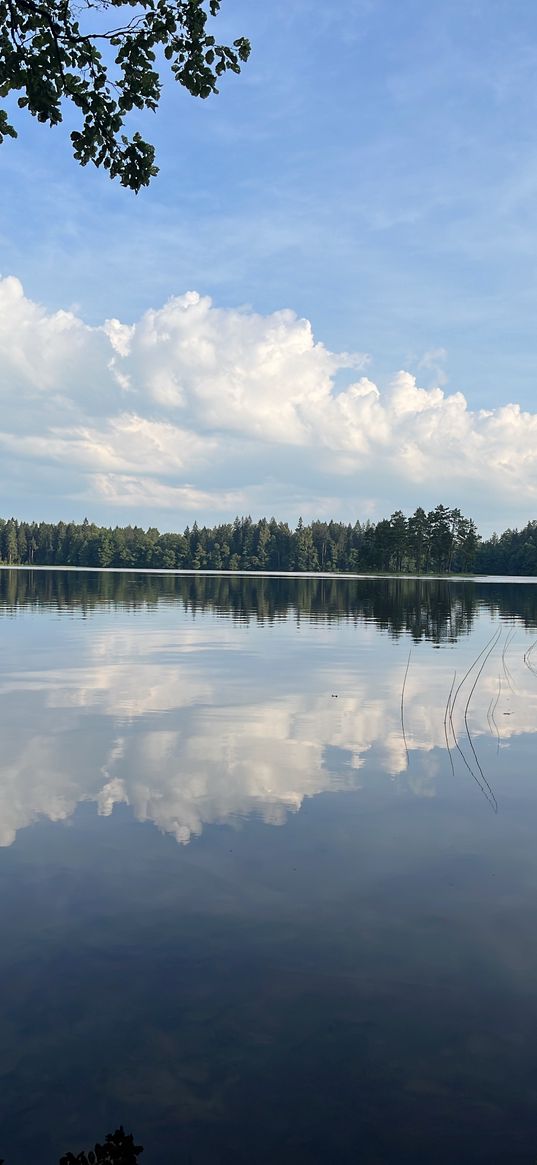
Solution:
(197, 722)
(198, 701)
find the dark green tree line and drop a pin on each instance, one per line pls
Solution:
(513, 552)
(442, 540)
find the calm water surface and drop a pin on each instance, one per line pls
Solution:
(252, 905)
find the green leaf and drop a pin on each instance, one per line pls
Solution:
(46, 61)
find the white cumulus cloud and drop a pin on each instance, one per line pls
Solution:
(197, 408)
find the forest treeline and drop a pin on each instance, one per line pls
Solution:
(440, 540)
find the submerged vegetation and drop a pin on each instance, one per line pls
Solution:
(440, 541)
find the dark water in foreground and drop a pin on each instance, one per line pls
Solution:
(243, 912)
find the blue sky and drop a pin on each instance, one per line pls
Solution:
(374, 171)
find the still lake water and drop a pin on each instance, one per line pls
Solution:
(247, 909)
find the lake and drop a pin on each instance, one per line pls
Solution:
(268, 868)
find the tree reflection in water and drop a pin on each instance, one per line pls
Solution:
(439, 610)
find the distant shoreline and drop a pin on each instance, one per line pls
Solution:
(177, 572)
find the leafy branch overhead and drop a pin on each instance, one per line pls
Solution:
(49, 56)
